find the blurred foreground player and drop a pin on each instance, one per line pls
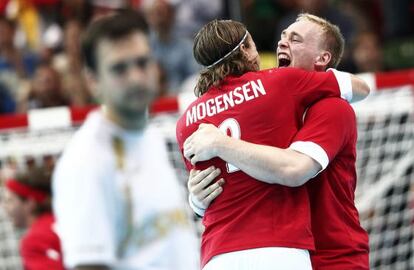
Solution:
(117, 201)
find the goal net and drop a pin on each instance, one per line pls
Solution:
(385, 161)
(385, 157)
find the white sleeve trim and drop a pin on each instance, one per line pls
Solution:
(344, 82)
(312, 150)
(195, 204)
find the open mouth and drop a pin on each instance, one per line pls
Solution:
(283, 59)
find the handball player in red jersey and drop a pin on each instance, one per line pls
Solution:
(254, 225)
(330, 125)
(28, 203)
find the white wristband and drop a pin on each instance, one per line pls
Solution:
(344, 82)
(195, 204)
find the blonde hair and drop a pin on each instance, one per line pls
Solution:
(334, 40)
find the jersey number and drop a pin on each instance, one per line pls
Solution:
(231, 127)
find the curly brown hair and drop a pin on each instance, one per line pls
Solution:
(213, 42)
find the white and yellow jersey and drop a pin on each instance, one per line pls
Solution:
(118, 202)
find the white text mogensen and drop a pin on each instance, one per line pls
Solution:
(246, 92)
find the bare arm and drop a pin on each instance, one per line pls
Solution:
(265, 163)
(360, 89)
(269, 164)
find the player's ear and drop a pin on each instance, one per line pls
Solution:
(244, 50)
(247, 53)
(322, 60)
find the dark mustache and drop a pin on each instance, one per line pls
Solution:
(139, 91)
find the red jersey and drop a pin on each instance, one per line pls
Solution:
(40, 247)
(264, 107)
(341, 243)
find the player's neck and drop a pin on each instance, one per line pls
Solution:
(30, 219)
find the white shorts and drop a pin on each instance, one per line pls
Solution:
(272, 258)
